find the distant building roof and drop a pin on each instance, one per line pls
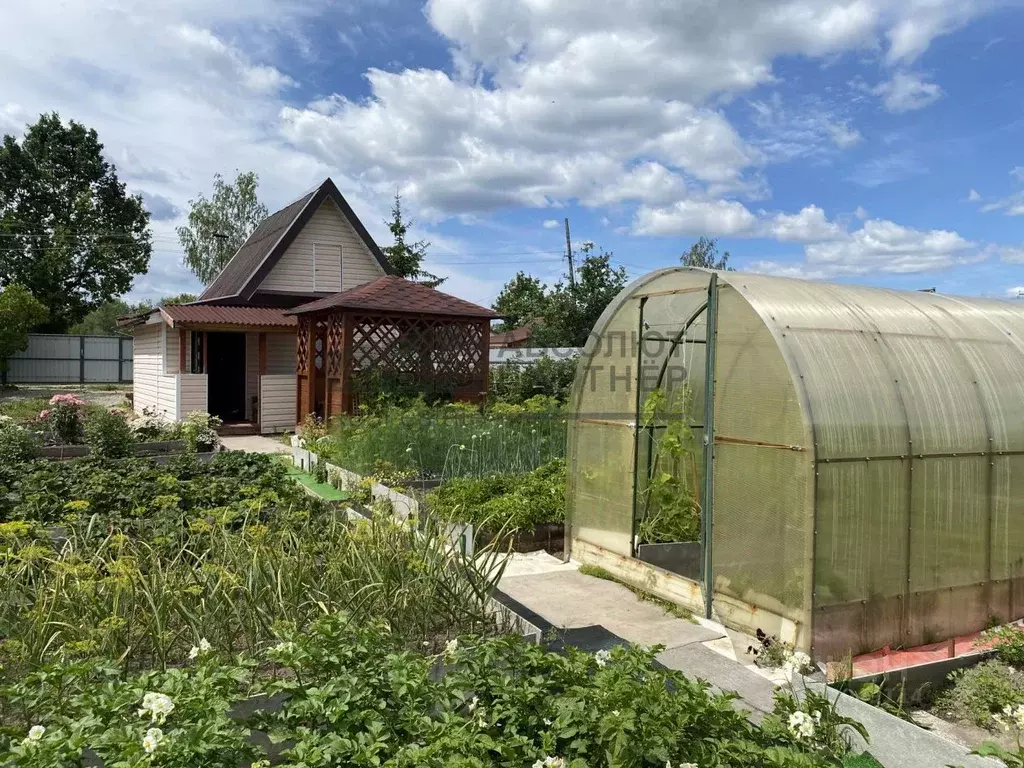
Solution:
(516, 335)
(396, 294)
(241, 276)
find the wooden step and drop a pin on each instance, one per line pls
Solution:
(238, 429)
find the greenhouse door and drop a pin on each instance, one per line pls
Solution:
(669, 474)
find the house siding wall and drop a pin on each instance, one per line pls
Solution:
(148, 363)
(280, 354)
(278, 398)
(342, 259)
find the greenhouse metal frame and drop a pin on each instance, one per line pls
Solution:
(857, 456)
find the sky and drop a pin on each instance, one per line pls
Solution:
(866, 141)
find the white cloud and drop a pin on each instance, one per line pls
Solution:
(879, 246)
(973, 196)
(809, 225)
(710, 218)
(907, 91)
(1017, 172)
(808, 128)
(861, 213)
(1015, 292)
(1009, 254)
(550, 224)
(1012, 204)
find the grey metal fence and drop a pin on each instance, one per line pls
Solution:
(58, 358)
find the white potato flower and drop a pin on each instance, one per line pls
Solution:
(152, 740)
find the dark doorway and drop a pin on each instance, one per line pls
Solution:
(225, 368)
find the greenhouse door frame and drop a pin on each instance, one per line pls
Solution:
(710, 308)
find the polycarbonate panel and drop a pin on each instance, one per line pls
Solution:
(999, 373)
(603, 493)
(851, 394)
(763, 468)
(948, 522)
(761, 530)
(1007, 514)
(863, 520)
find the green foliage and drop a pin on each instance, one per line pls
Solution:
(450, 440)
(63, 417)
(670, 509)
(102, 321)
(17, 444)
(572, 310)
(704, 253)
(72, 235)
(975, 694)
(19, 313)
(134, 493)
(199, 431)
(407, 258)
(569, 310)
(522, 299)
(504, 502)
(815, 721)
(234, 211)
(108, 434)
(1008, 643)
(513, 383)
(352, 693)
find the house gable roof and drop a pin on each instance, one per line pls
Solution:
(251, 264)
(393, 294)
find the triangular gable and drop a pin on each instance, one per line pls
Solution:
(241, 276)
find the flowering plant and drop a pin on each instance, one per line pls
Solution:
(63, 419)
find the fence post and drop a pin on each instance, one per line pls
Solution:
(120, 361)
(81, 359)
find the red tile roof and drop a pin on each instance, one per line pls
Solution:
(212, 314)
(396, 294)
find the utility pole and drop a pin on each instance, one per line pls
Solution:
(568, 255)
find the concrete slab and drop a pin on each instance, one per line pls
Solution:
(255, 444)
(567, 598)
(533, 563)
(695, 660)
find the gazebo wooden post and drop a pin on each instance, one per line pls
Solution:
(310, 367)
(346, 363)
(485, 360)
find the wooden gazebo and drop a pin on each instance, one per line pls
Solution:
(394, 330)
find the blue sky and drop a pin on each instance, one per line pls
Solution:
(871, 141)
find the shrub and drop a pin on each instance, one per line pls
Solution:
(63, 418)
(515, 383)
(149, 425)
(1008, 642)
(504, 501)
(17, 444)
(975, 694)
(108, 434)
(199, 431)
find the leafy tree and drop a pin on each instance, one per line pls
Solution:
(217, 227)
(406, 258)
(20, 311)
(102, 321)
(69, 232)
(573, 310)
(522, 299)
(181, 298)
(704, 253)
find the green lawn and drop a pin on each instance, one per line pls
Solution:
(324, 490)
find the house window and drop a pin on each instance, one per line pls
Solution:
(197, 352)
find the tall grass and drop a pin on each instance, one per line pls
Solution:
(148, 601)
(448, 441)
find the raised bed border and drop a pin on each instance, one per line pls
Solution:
(154, 448)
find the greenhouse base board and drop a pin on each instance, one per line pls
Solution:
(729, 611)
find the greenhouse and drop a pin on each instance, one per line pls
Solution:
(857, 456)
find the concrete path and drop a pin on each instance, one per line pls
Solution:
(255, 444)
(566, 598)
